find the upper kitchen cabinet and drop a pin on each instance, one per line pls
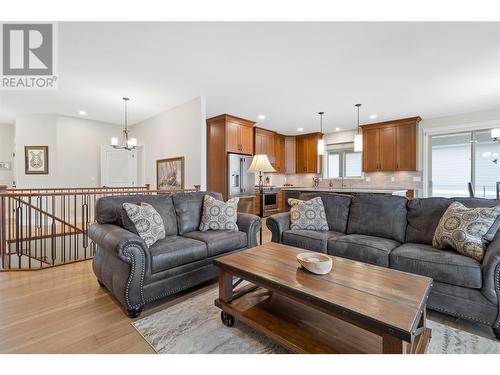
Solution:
(237, 133)
(279, 153)
(264, 144)
(307, 158)
(290, 155)
(390, 146)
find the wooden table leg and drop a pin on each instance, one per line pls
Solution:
(225, 286)
(393, 345)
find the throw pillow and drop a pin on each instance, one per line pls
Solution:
(147, 221)
(218, 215)
(307, 214)
(463, 229)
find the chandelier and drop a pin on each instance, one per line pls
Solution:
(126, 143)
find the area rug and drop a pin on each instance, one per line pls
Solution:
(194, 326)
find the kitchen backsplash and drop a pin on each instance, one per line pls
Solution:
(403, 180)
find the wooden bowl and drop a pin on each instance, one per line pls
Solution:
(317, 263)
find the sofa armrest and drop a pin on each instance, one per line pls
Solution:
(491, 272)
(117, 240)
(277, 224)
(250, 224)
(120, 262)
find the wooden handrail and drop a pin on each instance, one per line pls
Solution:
(9, 193)
(97, 188)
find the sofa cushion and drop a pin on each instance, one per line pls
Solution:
(336, 209)
(423, 218)
(378, 215)
(309, 239)
(442, 265)
(368, 249)
(424, 215)
(219, 241)
(307, 215)
(109, 210)
(147, 222)
(462, 228)
(189, 207)
(174, 251)
(219, 215)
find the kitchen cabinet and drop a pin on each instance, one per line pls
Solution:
(307, 158)
(290, 155)
(390, 146)
(226, 134)
(239, 137)
(406, 147)
(279, 153)
(264, 144)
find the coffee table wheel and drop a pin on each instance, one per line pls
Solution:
(227, 319)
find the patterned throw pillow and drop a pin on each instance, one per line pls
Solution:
(147, 221)
(218, 215)
(307, 214)
(463, 229)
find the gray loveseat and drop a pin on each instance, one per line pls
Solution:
(137, 275)
(391, 231)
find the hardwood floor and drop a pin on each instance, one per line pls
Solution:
(63, 310)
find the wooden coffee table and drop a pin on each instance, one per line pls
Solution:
(356, 308)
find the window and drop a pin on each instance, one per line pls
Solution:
(342, 161)
(460, 158)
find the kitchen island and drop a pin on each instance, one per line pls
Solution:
(294, 192)
(401, 192)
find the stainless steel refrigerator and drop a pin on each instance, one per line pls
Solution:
(241, 183)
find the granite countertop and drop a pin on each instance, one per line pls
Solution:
(347, 190)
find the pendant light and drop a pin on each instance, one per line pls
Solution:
(358, 138)
(126, 144)
(321, 141)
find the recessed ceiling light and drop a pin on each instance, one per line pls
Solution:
(373, 116)
(261, 117)
(300, 129)
(337, 129)
(82, 112)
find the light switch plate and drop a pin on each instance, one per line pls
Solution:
(368, 179)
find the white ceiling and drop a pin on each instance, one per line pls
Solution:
(287, 71)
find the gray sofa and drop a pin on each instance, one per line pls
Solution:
(391, 231)
(137, 275)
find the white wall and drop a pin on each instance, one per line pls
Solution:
(6, 149)
(74, 149)
(180, 131)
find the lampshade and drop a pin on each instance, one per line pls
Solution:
(358, 143)
(132, 142)
(114, 141)
(260, 163)
(495, 134)
(321, 146)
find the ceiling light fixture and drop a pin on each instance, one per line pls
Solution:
(261, 117)
(82, 112)
(373, 116)
(300, 129)
(337, 129)
(321, 141)
(358, 138)
(127, 144)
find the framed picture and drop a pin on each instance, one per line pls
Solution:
(170, 173)
(36, 159)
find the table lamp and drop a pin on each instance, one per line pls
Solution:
(260, 164)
